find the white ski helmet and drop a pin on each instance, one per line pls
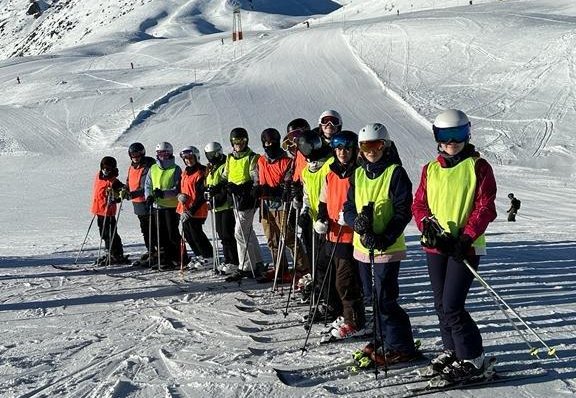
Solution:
(213, 150)
(331, 113)
(373, 132)
(456, 121)
(165, 146)
(190, 150)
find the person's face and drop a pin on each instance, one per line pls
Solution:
(343, 154)
(452, 148)
(329, 125)
(239, 144)
(189, 160)
(372, 150)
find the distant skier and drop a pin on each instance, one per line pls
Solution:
(105, 195)
(514, 207)
(139, 166)
(459, 189)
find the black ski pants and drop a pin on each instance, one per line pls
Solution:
(451, 281)
(144, 220)
(393, 323)
(196, 238)
(107, 226)
(225, 225)
(168, 237)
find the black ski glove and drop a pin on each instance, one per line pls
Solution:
(362, 223)
(461, 247)
(158, 193)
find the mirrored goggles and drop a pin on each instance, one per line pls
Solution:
(238, 141)
(371, 146)
(289, 143)
(212, 155)
(187, 155)
(452, 134)
(339, 142)
(333, 120)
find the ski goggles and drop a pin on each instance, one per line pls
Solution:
(452, 134)
(371, 146)
(333, 120)
(340, 142)
(212, 155)
(239, 141)
(289, 143)
(187, 155)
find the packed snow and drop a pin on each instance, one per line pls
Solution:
(156, 70)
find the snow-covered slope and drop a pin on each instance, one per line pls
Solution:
(116, 72)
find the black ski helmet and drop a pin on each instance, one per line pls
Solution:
(136, 149)
(298, 124)
(239, 133)
(108, 162)
(310, 145)
(270, 135)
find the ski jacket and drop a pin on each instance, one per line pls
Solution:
(241, 173)
(137, 178)
(333, 194)
(192, 184)
(272, 174)
(103, 187)
(313, 177)
(217, 185)
(387, 184)
(164, 175)
(299, 165)
(466, 180)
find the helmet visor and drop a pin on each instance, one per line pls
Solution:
(212, 155)
(289, 143)
(239, 140)
(342, 142)
(333, 120)
(452, 134)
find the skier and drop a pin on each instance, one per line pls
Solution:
(459, 189)
(378, 208)
(193, 208)
(161, 189)
(274, 170)
(216, 195)
(347, 299)
(241, 174)
(105, 195)
(319, 157)
(139, 166)
(514, 207)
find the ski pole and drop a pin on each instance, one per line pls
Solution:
(495, 296)
(103, 226)
(84, 241)
(216, 258)
(150, 245)
(114, 232)
(376, 317)
(282, 246)
(182, 248)
(158, 238)
(295, 253)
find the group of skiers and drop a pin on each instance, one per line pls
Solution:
(351, 198)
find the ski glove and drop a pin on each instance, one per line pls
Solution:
(376, 242)
(150, 200)
(321, 226)
(182, 198)
(362, 223)
(461, 247)
(185, 216)
(304, 220)
(158, 193)
(125, 194)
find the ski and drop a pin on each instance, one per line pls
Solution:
(79, 267)
(314, 376)
(500, 377)
(261, 322)
(256, 309)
